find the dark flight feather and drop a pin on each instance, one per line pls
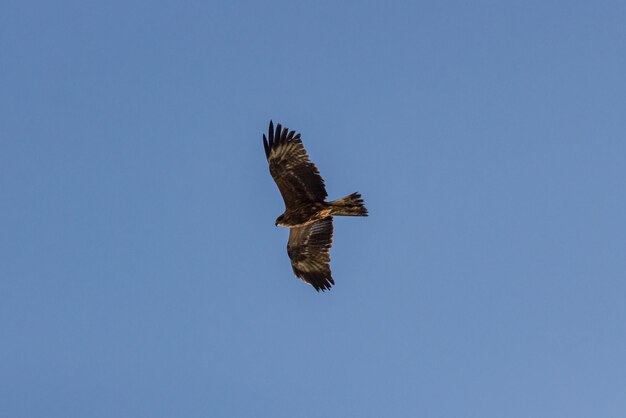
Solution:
(297, 178)
(309, 250)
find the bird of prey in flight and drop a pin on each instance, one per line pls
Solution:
(307, 215)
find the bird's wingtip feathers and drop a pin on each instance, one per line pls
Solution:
(266, 146)
(277, 136)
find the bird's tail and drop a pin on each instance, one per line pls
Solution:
(351, 205)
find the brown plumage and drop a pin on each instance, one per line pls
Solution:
(308, 216)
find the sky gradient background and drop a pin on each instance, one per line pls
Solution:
(141, 274)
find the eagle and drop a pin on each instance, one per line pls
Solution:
(307, 215)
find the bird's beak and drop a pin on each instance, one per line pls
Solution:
(275, 223)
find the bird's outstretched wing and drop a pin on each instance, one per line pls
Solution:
(309, 251)
(297, 178)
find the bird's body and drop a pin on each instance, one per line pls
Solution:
(308, 216)
(305, 214)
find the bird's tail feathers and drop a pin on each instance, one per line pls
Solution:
(351, 205)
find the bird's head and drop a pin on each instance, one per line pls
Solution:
(279, 221)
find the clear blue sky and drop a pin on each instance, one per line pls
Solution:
(141, 274)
